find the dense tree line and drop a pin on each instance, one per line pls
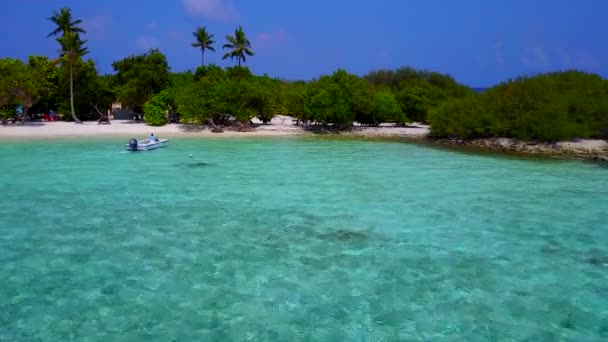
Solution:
(550, 106)
(418, 91)
(23, 84)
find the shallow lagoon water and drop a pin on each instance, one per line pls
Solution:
(298, 240)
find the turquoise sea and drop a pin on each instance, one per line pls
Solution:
(298, 239)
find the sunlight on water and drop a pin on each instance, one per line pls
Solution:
(298, 239)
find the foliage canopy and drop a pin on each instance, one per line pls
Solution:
(547, 107)
(139, 77)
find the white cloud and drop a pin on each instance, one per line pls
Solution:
(266, 39)
(564, 58)
(211, 9)
(578, 59)
(174, 35)
(498, 52)
(147, 43)
(586, 61)
(99, 25)
(536, 57)
(383, 58)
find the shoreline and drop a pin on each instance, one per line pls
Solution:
(588, 149)
(282, 126)
(278, 127)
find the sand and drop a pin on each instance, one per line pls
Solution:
(279, 126)
(284, 126)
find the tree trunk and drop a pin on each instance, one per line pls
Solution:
(76, 119)
(203, 59)
(97, 110)
(26, 115)
(210, 120)
(238, 59)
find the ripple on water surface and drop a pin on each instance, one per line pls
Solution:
(298, 239)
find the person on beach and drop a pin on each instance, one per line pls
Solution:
(52, 115)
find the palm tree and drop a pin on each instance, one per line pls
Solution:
(72, 49)
(63, 21)
(240, 45)
(204, 41)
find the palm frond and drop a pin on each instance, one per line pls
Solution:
(53, 63)
(63, 20)
(204, 40)
(72, 46)
(55, 32)
(239, 44)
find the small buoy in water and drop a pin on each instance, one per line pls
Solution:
(190, 155)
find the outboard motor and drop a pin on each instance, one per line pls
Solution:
(133, 144)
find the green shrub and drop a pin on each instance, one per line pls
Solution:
(547, 107)
(387, 107)
(155, 108)
(264, 98)
(415, 100)
(418, 91)
(210, 71)
(334, 99)
(291, 98)
(193, 102)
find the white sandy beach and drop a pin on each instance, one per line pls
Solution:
(279, 126)
(283, 126)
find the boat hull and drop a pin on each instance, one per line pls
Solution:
(146, 145)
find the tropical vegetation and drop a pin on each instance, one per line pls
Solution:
(72, 47)
(551, 106)
(239, 46)
(204, 41)
(138, 78)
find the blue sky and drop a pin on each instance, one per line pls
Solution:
(479, 42)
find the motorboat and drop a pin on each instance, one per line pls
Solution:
(146, 144)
